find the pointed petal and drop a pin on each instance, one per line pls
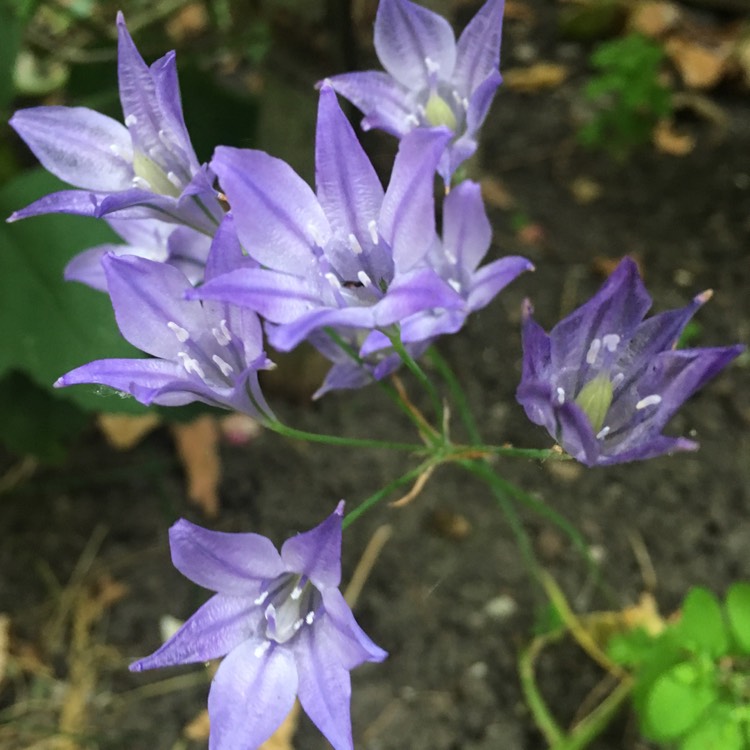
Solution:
(480, 102)
(407, 218)
(286, 337)
(430, 324)
(344, 375)
(77, 202)
(226, 252)
(466, 228)
(658, 445)
(536, 348)
(215, 629)
(414, 44)
(123, 374)
(85, 148)
(279, 220)
(383, 101)
(324, 686)
(253, 691)
(86, 267)
(317, 553)
(230, 563)
(478, 47)
(348, 188)
(489, 280)
(351, 645)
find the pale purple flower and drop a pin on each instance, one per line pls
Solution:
(430, 79)
(605, 382)
(146, 168)
(155, 240)
(350, 258)
(283, 625)
(208, 352)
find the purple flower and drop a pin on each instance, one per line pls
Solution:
(208, 352)
(147, 238)
(351, 258)
(282, 623)
(430, 80)
(144, 169)
(604, 381)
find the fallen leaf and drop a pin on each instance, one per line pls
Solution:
(239, 429)
(198, 449)
(654, 19)
(605, 266)
(585, 190)
(124, 431)
(187, 23)
(515, 10)
(700, 67)
(669, 141)
(496, 194)
(541, 75)
(197, 729)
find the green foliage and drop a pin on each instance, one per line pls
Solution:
(692, 680)
(626, 93)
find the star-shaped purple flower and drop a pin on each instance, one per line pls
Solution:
(430, 80)
(283, 625)
(605, 382)
(209, 352)
(146, 168)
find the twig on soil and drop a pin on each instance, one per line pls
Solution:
(418, 486)
(366, 563)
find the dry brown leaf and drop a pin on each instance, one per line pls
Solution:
(187, 23)
(197, 729)
(585, 190)
(198, 449)
(515, 10)
(700, 67)
(4, 644)
(239, 429)
(541, 75)
(604, 266)
(669, 141)
(496, 194)
(654, 19)
(123, 431)
(531, 234)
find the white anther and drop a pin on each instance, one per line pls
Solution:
(181, 334)
(191, 365)
(174, 179)
(593, 352)
(451, 258)
(354, 245)
(364, 279)
(455, 285)
(316, 236)
(617, 379)
(261, 598)
(261, 649)
(309, 617)
(131, 119)
(296, 593)
(413, 120)
(222, 334)
(560, 395)
(224, 366)
(603, 432)
(611, 341)
(143, 184)
(651, 400)
(298, 624)
(431, 65)
(332, 280)
(372, 228)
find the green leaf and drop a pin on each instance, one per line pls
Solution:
(717, 730)
(701, 627)
(738, 613)
(677, 700)
(49, 325)
(632, 647)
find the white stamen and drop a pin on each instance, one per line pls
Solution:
(413, 120)
(261, 598)
(181, 334)
(651, 400)
(354, 245)
(140, 182)
(617, 379)
(260, 650)
(309, 618)
(315, 234)
(191, 365)
(131, 119)
(455, 285)
(611, 341)
(225, 367)
(296, 592)
(332, 280)
(603, 432)
(593, 352)
(450, 256)
(431, 65)
(297, 625)
(222, 334)
(372, 228)
(421, 111)
(174, 179)
(364, 279)
(560, 395)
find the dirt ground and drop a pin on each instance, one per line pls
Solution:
(452, 612)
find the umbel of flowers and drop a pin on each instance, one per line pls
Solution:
(216, 256)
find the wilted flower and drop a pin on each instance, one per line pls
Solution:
(208, 352)
(144, 169)
(431, 80)
(282, 623)
(604, 381)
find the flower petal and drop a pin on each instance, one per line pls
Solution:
(489, 280)
(478, 47)
(317, 553)
(83, 147)
(218, 627)
(124, 374)
(253, 691)
(466, 229)
(414, 44)
(228, 563)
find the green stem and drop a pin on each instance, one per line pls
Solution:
(374, 499)
(457, 392)
(542, 454)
